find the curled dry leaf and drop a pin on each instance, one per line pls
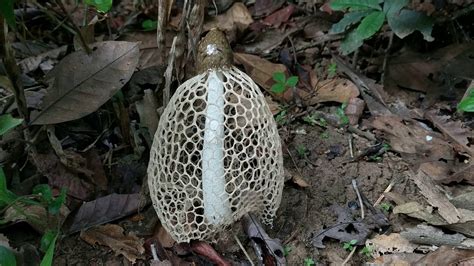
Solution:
(82, 82)
(112, 235)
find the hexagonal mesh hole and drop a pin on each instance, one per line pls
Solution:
(252, 161)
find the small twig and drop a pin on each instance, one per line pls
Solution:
(243, 250)
(350, 146)
(385, 59)
(354, 185)
(153, 253)
(169, 73)
(349, 256)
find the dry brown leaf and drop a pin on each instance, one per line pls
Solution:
(299, 181)
(259, 69)
(82, 82)
(409, 137)
(354, 109)
(461, 134)
(333, 90)
(447, 255)
(436, 197)
(112, 235)
(280, 16)
(237, 17)
(35, 215)
(393, 243)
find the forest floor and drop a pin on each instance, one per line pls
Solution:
(377, 132)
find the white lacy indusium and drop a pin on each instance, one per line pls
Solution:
(242, 155)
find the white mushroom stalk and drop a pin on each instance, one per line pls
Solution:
(216, 201)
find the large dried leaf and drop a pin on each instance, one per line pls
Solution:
(455, 130)
(447, 255)
(237, 17)
(410, 137)
(112, 235)
(103, 210)
(82, 82)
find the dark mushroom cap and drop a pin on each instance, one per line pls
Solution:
(213, 52)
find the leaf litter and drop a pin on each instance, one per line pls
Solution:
(386, 116)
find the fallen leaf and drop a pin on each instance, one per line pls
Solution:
(354, 109)
(299, 181)
(446, 255)
(458, 132)
(265, 42)
(436, 197)
(409, 137)
(35, 215)
(32, 63)
(112, 235)
(280, 16)
(81, 83)
(400, 259)
(460, 176)
(237, 17)
(389, 244)
(103, 210)
(259, 69)
(332, 90)
(265, 7)
(59, 176)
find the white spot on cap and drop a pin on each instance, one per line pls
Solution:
(211, 49)
(429, 138)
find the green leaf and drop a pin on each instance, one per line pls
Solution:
(467, 105)
(48, 241)
(6, 196)
(351, 42)
(278, 88)
(101, 5)
(292, 81)
(149, 24)
(6, 11)
(354, 5)
(370, 24)
(56, 204)
(8, 122)
(279, 77)
(7, 258)
(392, 7)
(348, 19)
(407, 21)
(353, 242)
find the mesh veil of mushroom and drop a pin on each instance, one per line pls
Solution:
(252, 157)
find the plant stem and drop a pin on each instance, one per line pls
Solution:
(216, 200)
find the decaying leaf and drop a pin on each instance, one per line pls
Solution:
(460, 176)
(81, 83)
(280, 16)
(299, 181)
(266, 41)
(103, 210)
(436, 197)
(259, 69)
(461, 134)
(35, 215)
(265, 7)
(332, 90)
(410, 137)
(112, 235)
(359, 229)
(447, 255)
(390, 244)
(237, 17)
(60, 176)
(269, 247)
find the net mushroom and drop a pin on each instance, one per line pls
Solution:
(216, 154)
